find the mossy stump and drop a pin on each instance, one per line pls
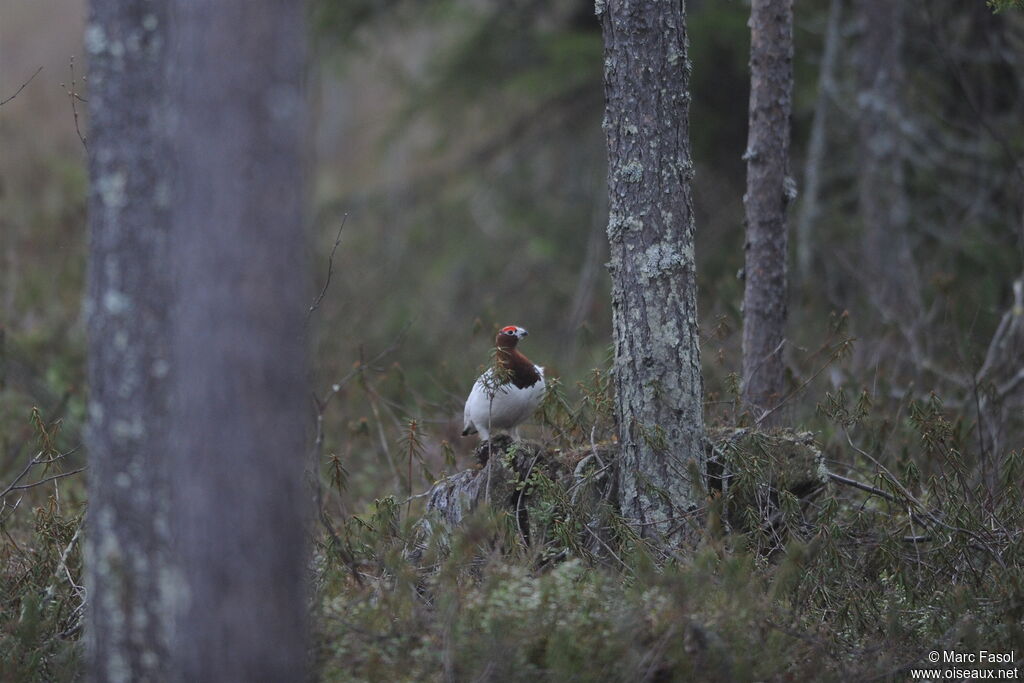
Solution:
(760, 480)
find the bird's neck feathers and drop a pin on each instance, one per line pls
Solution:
(506, 341)
(517, 368)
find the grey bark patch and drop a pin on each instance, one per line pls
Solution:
(128, 297)
(882, 197)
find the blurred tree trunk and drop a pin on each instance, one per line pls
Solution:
(657, 373)
(888, 264)
(126, 309)
(590, 270)
(239, 404)
(810, 207)
(769, 191)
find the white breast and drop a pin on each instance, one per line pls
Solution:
(492, 408)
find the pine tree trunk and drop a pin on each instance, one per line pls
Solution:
(658, 387)
(127, 302)
(240, 397)
(769, 192)
(888, 263)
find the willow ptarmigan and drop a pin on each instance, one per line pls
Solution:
(508, 394)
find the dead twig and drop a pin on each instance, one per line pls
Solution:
(75, 97)
(417, 496)
(18, 91)
(1010, 320)
(846, 481)
(37, 460)
(54, 477)
(330, 270)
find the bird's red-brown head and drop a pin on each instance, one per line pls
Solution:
(509, 336)
(510, 361)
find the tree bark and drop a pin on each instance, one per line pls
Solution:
(657, 374)
(769, 191)
(889, 267)
(126, 310)
(240, 396)
(810, 206)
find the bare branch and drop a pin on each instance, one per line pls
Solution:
(845, 481)
(18, 91)
(330, 269)
(21, 476)
(1011, 384)
(73, 95)
(1008, 325)
(47, 479)
(37, 460)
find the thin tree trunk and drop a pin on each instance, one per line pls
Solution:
(810, 206)
(126, 309)
(657, 374)
(769, 191)
(240, 396)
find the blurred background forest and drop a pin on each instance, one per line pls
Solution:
(463, 140)
(460, 143)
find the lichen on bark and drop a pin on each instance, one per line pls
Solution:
(658, 387)
(126, 312)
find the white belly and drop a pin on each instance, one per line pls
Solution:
(490, 408)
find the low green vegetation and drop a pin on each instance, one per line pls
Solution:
(42, 596)
(812, 560)
(846, 553)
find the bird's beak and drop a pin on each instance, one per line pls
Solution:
(523, 332)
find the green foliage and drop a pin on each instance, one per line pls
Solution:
(1001, 5)
(791, 575)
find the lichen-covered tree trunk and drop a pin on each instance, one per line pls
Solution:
(239, 402)
(768, 194)
(658, 387)
(888, 262)
(126, 309)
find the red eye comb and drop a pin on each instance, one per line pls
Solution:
(508, 330)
